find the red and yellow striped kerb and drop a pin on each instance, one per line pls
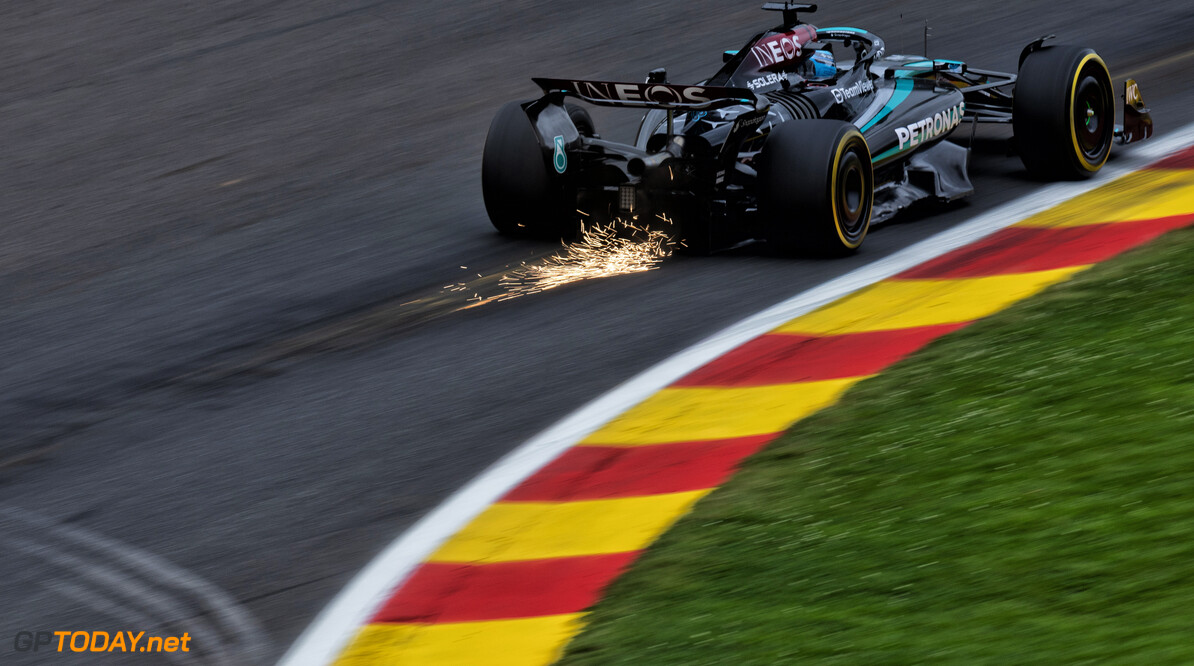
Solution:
(510, 588)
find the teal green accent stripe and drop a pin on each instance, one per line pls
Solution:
(921, 67)
(845, 29)
(903, 87)
(910, 69)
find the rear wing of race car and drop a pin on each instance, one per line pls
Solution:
(649, 95)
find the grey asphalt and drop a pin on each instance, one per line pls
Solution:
(214, 212)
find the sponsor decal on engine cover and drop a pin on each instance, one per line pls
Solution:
(860, 88)
(765, 80)
(778, 50)
(745, 122)
(928, 129)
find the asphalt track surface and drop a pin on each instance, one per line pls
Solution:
(214, 213)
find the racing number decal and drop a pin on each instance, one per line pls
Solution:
(560, 158)
(1132, 94)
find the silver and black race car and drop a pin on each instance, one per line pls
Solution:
(804, 138)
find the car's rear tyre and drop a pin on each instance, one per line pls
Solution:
(523, 195)
(816, 188)
(1063, 113)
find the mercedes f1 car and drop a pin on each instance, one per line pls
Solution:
(804, 138)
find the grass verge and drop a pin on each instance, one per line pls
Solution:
(1019, 492)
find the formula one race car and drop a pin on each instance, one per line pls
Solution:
(804, 138)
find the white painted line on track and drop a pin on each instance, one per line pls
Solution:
(335, 626)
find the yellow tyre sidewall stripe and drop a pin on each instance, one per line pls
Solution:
(1073, 127)
(837, 158)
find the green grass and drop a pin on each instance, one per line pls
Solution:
(1019, 492)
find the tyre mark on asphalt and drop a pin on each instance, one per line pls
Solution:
(236, 636)
(166, 610)
(37, 425)
(101, 604)
(600, 251)
(363, 327)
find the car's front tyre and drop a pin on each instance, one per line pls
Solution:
(1063, 113)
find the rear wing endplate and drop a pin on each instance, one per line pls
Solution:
(649, 95)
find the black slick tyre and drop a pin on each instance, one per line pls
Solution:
(1063, 113)
(522, 194)
(816, 188)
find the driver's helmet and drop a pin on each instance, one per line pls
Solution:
(824, 66)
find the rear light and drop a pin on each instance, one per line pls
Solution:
(626, 197)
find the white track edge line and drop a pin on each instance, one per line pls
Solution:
(338, 622)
